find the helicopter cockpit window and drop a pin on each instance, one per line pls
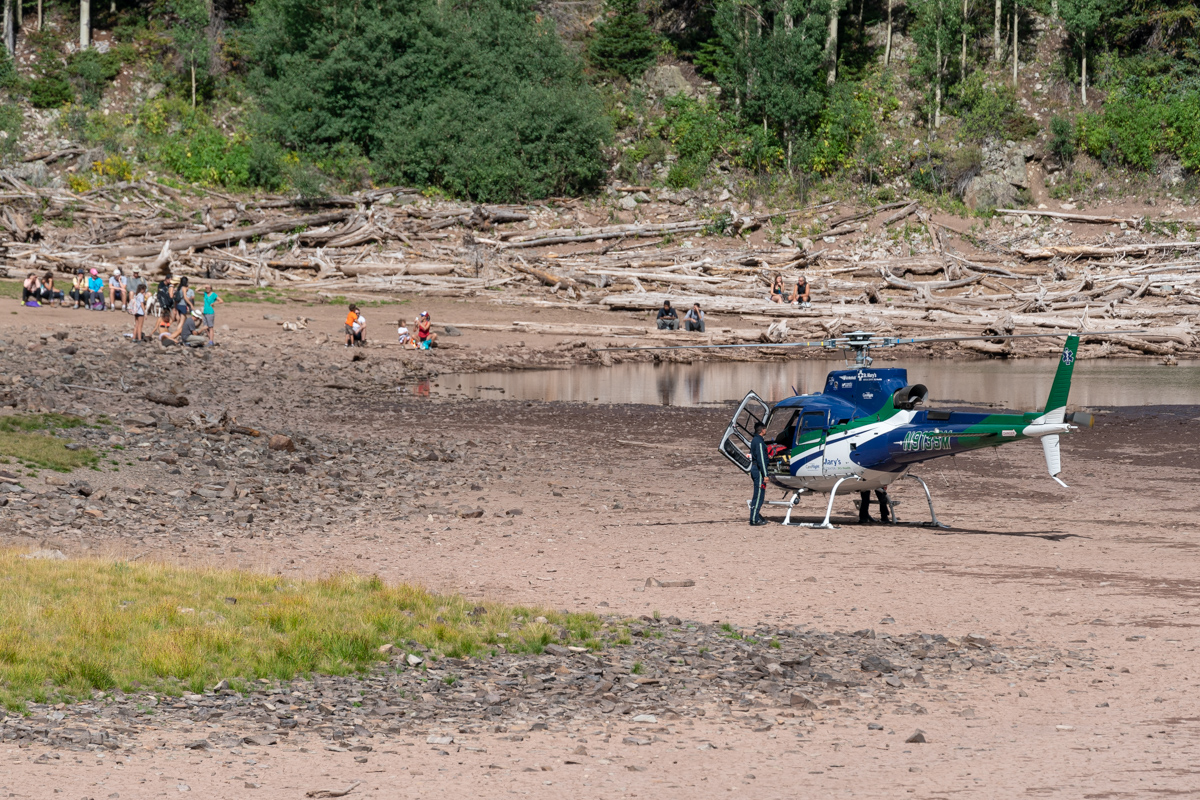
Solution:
(781, 428)
(814, 421)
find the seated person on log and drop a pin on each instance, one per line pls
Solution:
(693, 320)
(668, 320)
(800, 293)
(777, 289)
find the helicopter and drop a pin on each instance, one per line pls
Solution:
(866, 430)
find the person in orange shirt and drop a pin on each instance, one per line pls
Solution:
(351, 318)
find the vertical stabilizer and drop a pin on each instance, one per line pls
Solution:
(1053, 457)
(1056, 404)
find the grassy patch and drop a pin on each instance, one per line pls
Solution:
(21, 441)
(68, 628)
(10, 289)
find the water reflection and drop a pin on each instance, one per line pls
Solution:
(1022, 383)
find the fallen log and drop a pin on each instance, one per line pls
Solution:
(1091, 251)
(204, 241)
(598, 234)
(173, 400)
(899, 215)
(1071, 217)
(925, 286)
(548, 278)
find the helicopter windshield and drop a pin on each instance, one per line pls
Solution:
(781, 428)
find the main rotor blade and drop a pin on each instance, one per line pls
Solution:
(1056, 335)
(842, 343)
(820, 343)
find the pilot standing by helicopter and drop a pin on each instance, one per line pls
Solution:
(864, 507)
(758, 474)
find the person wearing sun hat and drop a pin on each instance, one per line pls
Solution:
(116, 290)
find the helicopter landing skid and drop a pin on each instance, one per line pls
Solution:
(934, 521)
(825, 523)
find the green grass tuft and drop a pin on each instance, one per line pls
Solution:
(69, 628)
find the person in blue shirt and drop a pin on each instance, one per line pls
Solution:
(211, 299)
(96, 288)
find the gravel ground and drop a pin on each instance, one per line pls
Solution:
(1042, 645)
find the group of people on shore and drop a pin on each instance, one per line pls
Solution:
(421, 337)
(799, 295)
(184, 317)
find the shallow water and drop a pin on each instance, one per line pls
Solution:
(1018, 384)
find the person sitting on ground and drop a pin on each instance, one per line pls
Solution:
(31, 290)
(79, 290)
(211, 301)
(693, 320)
(358, 327)
(425, 335)
(116, 290)
(138, 309)
(188, 332)
(406, 339)
(777, 289)
(667, 320)
(96, 290)
(49, 293)
(800, 294)
(350, 319)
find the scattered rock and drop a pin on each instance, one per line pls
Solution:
(918, 737)
(279, 442)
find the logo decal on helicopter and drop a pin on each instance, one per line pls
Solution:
(1068, 357)
(917, 441)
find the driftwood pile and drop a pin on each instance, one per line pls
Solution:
(865, 271)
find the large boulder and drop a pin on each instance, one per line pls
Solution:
(989, 191)
(666, 80)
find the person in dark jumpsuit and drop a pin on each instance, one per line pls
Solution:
(864, 507)
(758, 474)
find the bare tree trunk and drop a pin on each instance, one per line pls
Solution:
(1016, 47)
(996, 35)
(1083, 77)
(85, 24)
(887, 47)
(193, 83)
(962, 60)
(9, 32)
(937, 84)
(39, 15)
(831, 54)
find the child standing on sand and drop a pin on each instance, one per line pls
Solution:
(139, 312)
(351, 318)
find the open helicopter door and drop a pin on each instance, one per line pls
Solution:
(735, 444)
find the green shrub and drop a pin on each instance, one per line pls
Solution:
(10, 129)
(1062, 139)
(9, 79)
(90, 71)
(1133, 128)
(699, 130)
(49, 91)
(624, 43)
(203, 154)
(991, 109)
(484, 102)
(265, 165)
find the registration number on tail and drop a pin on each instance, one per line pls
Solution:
(917, 442)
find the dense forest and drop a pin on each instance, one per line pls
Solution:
(504, 100)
